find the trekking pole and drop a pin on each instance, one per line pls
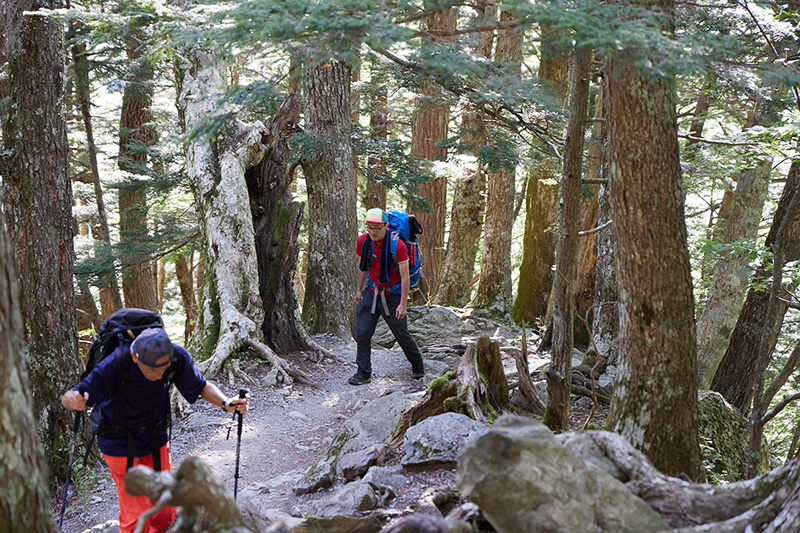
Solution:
(75, 428)
(242, 394)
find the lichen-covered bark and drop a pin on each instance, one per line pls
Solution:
(731, 273)
(39, 222)
(559, 383)
(231, 312)
(328, 304)
(24, 499)
(736, 372)
(605, 326)
(428, 127)
(466, 225)
(655, 398)
(494, 287)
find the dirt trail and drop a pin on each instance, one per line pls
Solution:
(285, 432)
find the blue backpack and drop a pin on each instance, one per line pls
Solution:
(405, 227)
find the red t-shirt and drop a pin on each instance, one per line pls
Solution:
(375, 266)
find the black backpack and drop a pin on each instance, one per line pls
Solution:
(117, 330)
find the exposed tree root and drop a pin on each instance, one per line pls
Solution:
(770, 502)
(205, 505)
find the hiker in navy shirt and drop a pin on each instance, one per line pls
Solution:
(380, 297)
(131, 412)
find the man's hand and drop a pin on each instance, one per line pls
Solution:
(74, 401)
(358, 297)
(401, 310)
(238, 405)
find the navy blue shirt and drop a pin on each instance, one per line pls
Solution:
(139, 402)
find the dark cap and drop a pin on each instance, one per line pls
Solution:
(151, 346)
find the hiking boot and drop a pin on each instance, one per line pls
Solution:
(359, 379)
(418, 374)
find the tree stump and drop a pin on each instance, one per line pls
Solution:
(478, 388)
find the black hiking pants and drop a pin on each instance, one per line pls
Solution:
(366, 321)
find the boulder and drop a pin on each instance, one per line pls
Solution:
(386, 476)
(524, 480)
(321, 475)
(355, 464)
(349, 500)
(726, 430)
(338, 524)
(428, 324)
(371, 426)
(440, 438)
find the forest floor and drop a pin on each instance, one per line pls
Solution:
(285, 432)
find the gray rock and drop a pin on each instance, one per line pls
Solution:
(439, 438)
(386, 476)
(347, 501)
(197, 421)
(428, 324)
(725, 429)
(111, 526)
(338, 524)
(422, 523)
(372, 425)
(320, 475)
(355, 464)
(524, 480)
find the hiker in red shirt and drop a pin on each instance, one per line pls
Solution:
(385, 295)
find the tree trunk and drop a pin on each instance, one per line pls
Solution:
(605, 327)
(587, 256)
(374, 192)
(136, 135)
(731, 273)
(559, 382)
(231, 312)
(494, 287)
(110, 298)
(538, 251)
(539, 241)
(276, 221)
(428, 127)
(39, 219)
(330, 282)
(655, 395)
(736, 372)
(184, 274)
(467, 213)
(24, 499)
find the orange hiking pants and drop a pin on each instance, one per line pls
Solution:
(130, 507)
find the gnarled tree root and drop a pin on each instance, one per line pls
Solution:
(205, 505)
